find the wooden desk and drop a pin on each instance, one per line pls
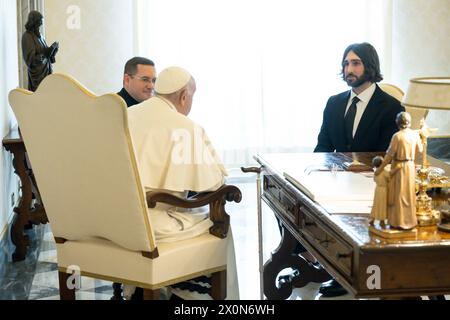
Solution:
(26, 214)
(342, 244)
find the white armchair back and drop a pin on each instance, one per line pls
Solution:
(84, 163)
(397, 93)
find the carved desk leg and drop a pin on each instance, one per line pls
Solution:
(19, 239)
(283, 258)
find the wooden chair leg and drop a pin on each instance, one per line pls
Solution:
(219, 285)
(64, 292)
(150, 294)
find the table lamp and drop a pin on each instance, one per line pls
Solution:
(427, 93)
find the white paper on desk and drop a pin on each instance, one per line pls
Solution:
(322, 186)
(347, 207)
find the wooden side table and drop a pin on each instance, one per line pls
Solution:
(26, 214)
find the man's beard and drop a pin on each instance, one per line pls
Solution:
(357, 82)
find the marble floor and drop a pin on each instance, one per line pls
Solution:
(36, 277)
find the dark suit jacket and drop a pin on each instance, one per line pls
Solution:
(374, 131)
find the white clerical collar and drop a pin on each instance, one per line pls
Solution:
(365, 95)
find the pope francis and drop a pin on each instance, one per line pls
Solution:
(175, 155)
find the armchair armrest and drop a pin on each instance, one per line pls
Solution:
(216, 201)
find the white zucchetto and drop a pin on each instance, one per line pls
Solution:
(171, 80)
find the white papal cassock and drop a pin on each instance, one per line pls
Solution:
(175, 155)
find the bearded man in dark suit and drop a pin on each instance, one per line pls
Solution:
(363, 118)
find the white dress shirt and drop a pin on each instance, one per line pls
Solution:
(364, 98)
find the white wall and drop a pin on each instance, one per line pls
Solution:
(421, 46)
(8, 80)
(96, 39)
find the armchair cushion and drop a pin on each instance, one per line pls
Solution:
(177, 261)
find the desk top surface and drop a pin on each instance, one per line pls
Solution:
(354, 226)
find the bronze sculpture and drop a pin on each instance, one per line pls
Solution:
(37, 55)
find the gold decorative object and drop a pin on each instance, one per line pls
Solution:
(427, 93)
(392, 233)
(445, 221)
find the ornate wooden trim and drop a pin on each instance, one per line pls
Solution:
(151, 254)
(231, 193)
(219, 285)
(251, 170)
(25, 214)
(20, 240)
(220, 218)
(150, 294)
(64, 292)
(216, 201)
(60, 240)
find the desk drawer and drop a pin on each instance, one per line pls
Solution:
(334, 249)
(286, 203)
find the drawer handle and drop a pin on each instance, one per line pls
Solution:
(343, 255)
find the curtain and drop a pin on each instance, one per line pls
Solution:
(264, 69)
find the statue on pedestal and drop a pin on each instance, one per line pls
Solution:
(37, 55)
(401, 204)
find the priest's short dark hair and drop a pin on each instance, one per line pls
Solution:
(131, 65)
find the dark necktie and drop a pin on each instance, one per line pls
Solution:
(349, 119)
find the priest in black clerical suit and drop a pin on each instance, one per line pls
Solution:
(129, 100)
(138, 80)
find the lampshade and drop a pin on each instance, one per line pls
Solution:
(428, 93)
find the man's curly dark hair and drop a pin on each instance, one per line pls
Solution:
(369, 57)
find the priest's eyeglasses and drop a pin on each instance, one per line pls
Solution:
(146, 80)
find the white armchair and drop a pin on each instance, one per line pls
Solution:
(416, 113)
(84, 162)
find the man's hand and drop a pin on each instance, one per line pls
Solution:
(53, 50)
